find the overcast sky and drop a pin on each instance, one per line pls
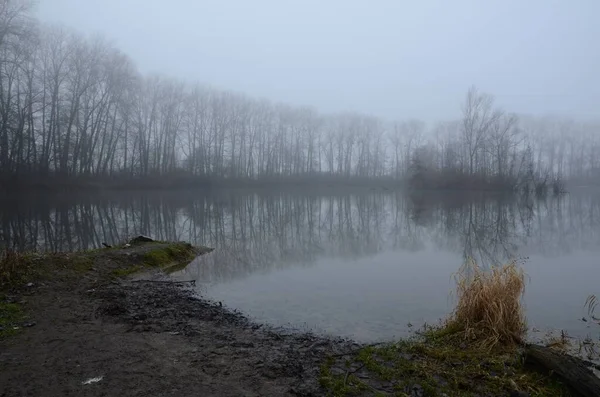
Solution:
(391, 58)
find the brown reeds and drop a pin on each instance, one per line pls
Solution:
(489, 309)
(591, 303)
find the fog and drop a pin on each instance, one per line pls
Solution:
(468, 98)
(388, 58)
(349, 137)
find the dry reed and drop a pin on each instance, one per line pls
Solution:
(489, 309)
(591, 303)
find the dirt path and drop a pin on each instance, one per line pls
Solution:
(150, 338)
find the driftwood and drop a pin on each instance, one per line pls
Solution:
(572, 370)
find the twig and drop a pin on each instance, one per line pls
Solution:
(352, 372)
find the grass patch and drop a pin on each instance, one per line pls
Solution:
(165, 256)
(10, 315)
(157, 258)
(437, 368)
(14, 266)
(127, 271)
(17, 268)
(475, 352)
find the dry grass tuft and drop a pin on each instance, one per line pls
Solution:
(489, 309)
(10, 261)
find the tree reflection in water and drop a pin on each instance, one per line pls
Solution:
(258, 232)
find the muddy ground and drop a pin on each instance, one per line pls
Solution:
(150, 337)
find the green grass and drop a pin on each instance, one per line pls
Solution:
(10, 315)
(17, 269)
(173, 255)
(439, 366)
(14, 266)
(127, 271)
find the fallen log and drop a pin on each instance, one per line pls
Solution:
(574, 371)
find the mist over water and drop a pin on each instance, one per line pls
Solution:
(362, 263)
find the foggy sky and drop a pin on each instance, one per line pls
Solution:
(390, 58)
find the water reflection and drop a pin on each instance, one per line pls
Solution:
(258, 234)
(270, 230)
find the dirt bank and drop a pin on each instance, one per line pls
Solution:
(146, 338)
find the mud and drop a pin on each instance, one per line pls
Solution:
(152, 337)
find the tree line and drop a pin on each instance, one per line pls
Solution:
(77, 108)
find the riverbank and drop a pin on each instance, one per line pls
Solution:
(82, 320)
(110, 322)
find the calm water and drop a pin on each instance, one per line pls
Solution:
(362, 264)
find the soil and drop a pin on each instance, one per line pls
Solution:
(92, 335)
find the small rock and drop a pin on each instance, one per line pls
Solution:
(29, 285)
(92, 380)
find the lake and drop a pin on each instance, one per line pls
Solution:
(368, 264)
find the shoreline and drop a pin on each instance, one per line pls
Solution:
(133, 331)
(114, 319)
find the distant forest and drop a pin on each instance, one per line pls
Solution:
(75, 110)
